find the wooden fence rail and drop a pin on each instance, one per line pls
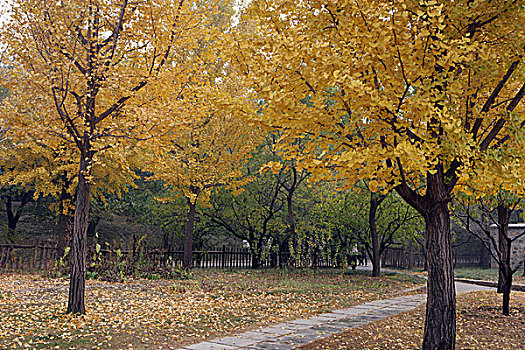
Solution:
(401, 257)
(16, 257)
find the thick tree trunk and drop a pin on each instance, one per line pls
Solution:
(78, 245)
(187, 262)
(376, 256)
(440, 323)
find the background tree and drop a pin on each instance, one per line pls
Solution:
(80, 70)
(407, 94)
(289, 174)
(382, 220)
(251, 215)
(487, 212)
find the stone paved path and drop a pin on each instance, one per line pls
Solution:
(290, 334)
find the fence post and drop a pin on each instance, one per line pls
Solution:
(223, 262)
(33, 263)
(410, 255)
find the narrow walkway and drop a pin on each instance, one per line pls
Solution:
(290, 334)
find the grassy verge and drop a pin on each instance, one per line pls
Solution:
(486, 274)
(480, 325)
(477, 273)
(164, 314)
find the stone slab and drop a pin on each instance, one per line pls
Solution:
(210, 346)
(257, 335)
(273, 346)
(277, 330)
(235, 341)
(307, 321)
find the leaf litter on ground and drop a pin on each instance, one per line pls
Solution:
(163, 314)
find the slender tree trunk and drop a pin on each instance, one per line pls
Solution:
(12, 216)
(410, 254)
(440, 323)
(92, 227)
(291, 220)
(506, 294)
(187, 262)
(256, 259)
(78, 245)
(504, 243)
(376, 253)
(62, 234)
(63, 223)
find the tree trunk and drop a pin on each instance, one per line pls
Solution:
(63, 223)
(187, 262)
(410, 254)
(12, 216)
(63, 237)
(376, 256)
(12, 221)
(440, 323)
(291, 220)
(256, 259)
(504, 243)
(506, 294)
(484, 257)
(78, 245)
(92, 227)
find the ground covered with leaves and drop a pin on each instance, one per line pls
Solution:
(164, 314)
(480, 325)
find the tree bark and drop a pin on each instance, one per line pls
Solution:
(63, 237)
(440, 322)
(63, 223)
(291, 220)
(256, 259)
(504, 243)
(187, 261)
(12, 216)
(77, 282)
(376, 254)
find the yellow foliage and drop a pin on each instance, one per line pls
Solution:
(391, 89)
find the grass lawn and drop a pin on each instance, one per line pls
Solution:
(486, 274)
(163, 314)
(480, 325)
(476, 273)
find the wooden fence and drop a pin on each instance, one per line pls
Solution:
(23, 257)
(41, 256)
(18, 257)
(404, 258)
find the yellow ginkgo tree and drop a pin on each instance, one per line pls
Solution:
(82, 71)
(207, 152)
(409, 94)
